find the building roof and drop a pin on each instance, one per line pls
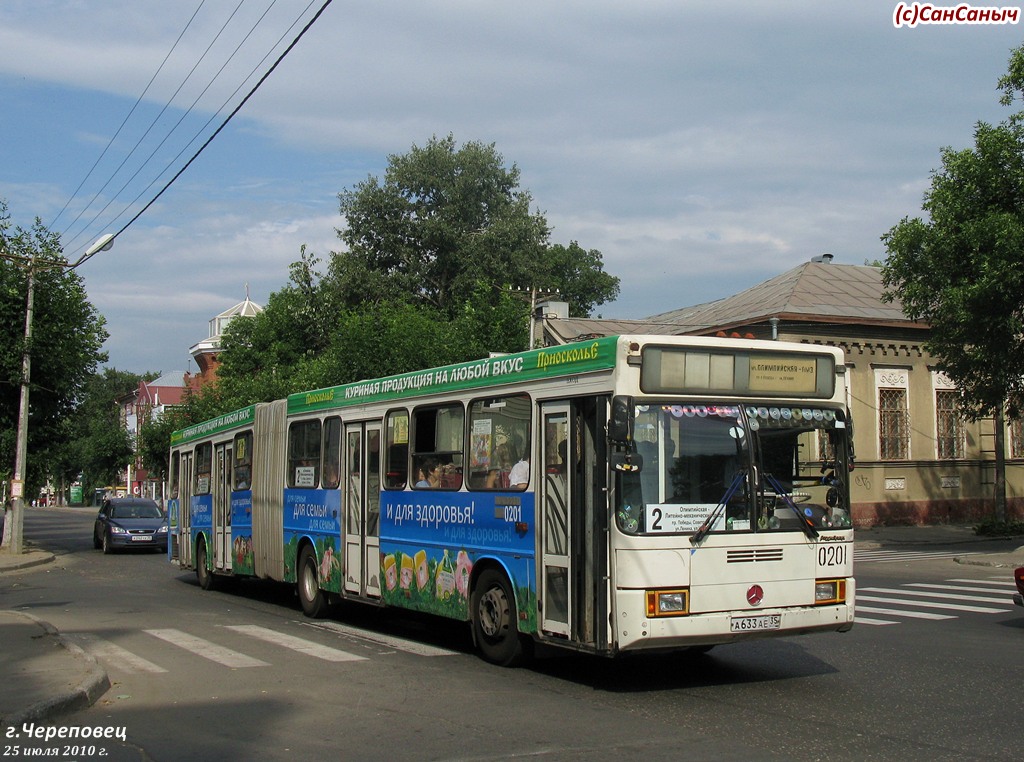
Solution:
(166, 390)
(219, 324)
(816, 291)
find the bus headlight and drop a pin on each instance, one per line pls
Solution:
(829, 591)
(668, 602)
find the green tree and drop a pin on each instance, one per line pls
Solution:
(445, 219)
(961, 270)
(431, 252)
(67, 340)
(101, 442)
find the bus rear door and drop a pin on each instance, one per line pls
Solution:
(361, 508)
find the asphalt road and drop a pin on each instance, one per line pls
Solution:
(239, 674)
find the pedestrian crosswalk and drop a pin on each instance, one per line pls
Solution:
(227, 645)
(882, 555)
(878, 606)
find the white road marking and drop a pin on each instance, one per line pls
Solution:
(307, 647)
(207, 650)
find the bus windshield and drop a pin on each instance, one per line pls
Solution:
(727, 468)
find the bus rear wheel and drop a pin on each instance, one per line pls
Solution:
(495, 620)
(203, 573)
(314, 602)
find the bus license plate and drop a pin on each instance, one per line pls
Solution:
(752, 623)
(142, 538)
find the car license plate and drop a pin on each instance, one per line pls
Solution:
(142, 538)
(753, 623)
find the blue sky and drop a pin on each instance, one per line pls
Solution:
(702, 147)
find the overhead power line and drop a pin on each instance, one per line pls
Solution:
(223, 124)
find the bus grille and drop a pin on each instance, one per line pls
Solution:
(753, 555)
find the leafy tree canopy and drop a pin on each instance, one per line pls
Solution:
(445, 219)
(67, 340)
(961, 270)
(432, 250)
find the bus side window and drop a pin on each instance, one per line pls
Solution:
(396, 453)
(438, 434)
(499, 430)
(242, 450)
(304, 454)
(332, 453)
(204, 469)
(173, 475)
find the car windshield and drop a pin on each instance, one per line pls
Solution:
(136, 511)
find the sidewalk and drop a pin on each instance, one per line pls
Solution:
(42, 674)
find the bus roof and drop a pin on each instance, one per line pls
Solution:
(532, 365)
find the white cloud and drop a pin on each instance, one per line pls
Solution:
(701, 146)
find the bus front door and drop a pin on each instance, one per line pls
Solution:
(572, 518)
(222, 507)
(361, 508)
(555, 485)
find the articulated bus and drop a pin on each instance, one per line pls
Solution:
(630, 493)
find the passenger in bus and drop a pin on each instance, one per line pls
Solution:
(497, 476)
(519, 476)
(429, 474)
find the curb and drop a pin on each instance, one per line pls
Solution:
(85, 694)
(27, 563)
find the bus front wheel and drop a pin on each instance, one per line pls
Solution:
(314, 602)
(495, 621)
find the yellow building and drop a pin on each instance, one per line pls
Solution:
(918, 461)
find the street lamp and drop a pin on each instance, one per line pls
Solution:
(13, 529)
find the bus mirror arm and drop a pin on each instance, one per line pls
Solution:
(627, 461)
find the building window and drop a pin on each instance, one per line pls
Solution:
(949, 426)
(893, 425)
(1017, 438)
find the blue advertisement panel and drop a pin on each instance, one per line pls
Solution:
(201, 507)
(316, 514)
(242, 561)
(429, 542)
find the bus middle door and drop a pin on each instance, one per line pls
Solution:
(222, 507)
(361, 508)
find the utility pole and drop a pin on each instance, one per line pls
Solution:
(533, 293)
(14, 526)
(15, 521)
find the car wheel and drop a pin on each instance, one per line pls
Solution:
(108, 548)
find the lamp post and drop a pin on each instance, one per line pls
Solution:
(14, 526)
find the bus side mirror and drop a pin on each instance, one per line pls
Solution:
(620, 427)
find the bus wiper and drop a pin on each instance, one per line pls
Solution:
(698, 537)
(805, 523)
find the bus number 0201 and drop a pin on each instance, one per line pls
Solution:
(832, 555)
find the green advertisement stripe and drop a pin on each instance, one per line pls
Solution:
(533, 365)
(216, 425)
